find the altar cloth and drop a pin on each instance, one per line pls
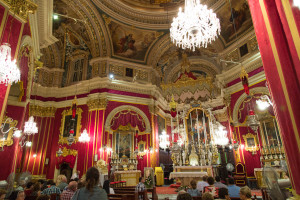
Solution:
(186, 177)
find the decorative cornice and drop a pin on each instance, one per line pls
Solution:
(127, 107)
(39, 111)
(96, 104)
(21, 8)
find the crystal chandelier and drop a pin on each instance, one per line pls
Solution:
(220, 135)
(30, 127)
(264, 102)
(9, 72)
(164, 141)
(195, 27)
(84, 137)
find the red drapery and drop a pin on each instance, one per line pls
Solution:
(127, 116)
(70, 159)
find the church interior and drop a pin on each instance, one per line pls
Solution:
(169, 90)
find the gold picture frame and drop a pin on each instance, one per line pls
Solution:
(141, 148)
(66, 116)
(11, 124)
(127, 142)
(251, 144)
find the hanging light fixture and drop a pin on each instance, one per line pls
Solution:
(196, 26)
(264, 102)
(84, 137)
(164, 141)
(252, 121)
(220, 135)
(30, 127)
(9, 72)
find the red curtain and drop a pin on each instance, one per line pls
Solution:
(126, 116)
(70, 159)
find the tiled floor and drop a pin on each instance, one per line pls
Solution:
(170, 196)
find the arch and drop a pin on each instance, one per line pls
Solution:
(127, 107)
(240, 100)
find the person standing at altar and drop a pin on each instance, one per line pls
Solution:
(202, 184)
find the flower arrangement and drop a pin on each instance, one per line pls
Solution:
(149, 182)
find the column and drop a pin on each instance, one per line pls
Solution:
(276, 25)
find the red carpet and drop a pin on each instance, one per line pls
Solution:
(165, 190)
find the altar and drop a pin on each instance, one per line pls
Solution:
(130, 176)
(207, 169)
(186, 177)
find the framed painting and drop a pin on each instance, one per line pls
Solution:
(123, 144)
(250, 142)
(197, 122)
(6, 131)
(66, 125)
(141, 148)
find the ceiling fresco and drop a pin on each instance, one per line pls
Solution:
(131, 43)
(242, 20)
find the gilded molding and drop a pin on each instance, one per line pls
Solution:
(9, 140)
(22, 7)
(97, 104)
(68, 152)
(39, 111)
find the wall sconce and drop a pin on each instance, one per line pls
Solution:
(96, 157)
(46, 161)
(34, 155)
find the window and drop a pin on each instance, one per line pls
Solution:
(129, 72)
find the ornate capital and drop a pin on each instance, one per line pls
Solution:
(22, 7)
(153, 109)
(40, 111)
(95, 104)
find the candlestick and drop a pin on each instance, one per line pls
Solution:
(278, 141)
(268, 143)
(172, 129)
(192, 126)
(177, 126)
(204, 128)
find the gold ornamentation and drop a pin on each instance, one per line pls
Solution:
(106, 19)
(173, 104)
(253, 44)
(142, 75)
(243, 73)
(222, 117)
(9, 140)
(185, 64)
(97, 104)
(68, 152)
(117, 70)
(22, 7)
(40, 111)
(125, 128)
(251, 144)
(62, 139)
(233, 56)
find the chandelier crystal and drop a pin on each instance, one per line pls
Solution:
(220, 135)
(84, 137)
(164, 141)
(9, 72)
(30, 127)
(196, 26)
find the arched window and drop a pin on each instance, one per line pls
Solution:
(78, 65)
(78, 71)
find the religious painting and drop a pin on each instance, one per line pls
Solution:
(161, 124)
(197, 126)
(6, 131)
(270, 131)
(131, 43)
(123, 144)
(251, 143)
(67, 124)
(236, 23)
(149, 177)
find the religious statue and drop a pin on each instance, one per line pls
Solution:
(183, 156)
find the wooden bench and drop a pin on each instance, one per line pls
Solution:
(132, 188)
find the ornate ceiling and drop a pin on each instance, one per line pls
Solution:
(137, 31)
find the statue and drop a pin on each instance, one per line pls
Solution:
(183, 157)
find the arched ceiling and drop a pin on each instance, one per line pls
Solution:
(138, 31)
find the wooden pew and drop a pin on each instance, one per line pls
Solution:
(132, 188)
(117, 197)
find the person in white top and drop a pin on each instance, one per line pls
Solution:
(202, 184)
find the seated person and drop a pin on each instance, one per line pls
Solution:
(36, 190)
(194, 192)
(184, 196)
(245, 193)
(107, 188)
(28, 188)
(211, 188)
(218, 183)
(2, 194)
(62, 182)
(17, 195)
(52, 189)
(233, 190)
(69, 192)
(141, 187)
(207, 196)
(223, 194)
(202, 184)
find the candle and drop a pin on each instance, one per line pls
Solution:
(172, 129)
(177, 126)
(276, 133)
(184, 130)
(203, 123)
(266, 134)
(198, 127)
(192, 126)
